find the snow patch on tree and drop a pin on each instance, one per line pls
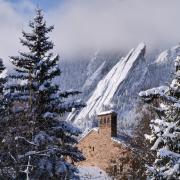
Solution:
(165, 136)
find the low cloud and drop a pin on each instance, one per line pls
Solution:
(11, 24)
(116, 24)
(87, 25)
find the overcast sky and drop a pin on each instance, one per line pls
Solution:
(83, 25)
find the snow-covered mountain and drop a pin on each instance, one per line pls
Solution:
(117, 86)
(109, 87)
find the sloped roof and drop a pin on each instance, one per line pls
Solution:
(88, 132)
(119, 139)
(106, 112)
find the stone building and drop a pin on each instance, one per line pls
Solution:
(101, 145)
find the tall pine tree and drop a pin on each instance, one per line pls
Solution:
(165, 135)
(3, 106)
(38, 144)
(3, 79)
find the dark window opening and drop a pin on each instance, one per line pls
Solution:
(101, 121)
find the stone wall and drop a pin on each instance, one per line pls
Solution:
(99, 149)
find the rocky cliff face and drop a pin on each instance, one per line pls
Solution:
(115, 84)
(118, 87)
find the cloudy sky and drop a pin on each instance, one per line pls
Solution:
(87, 25)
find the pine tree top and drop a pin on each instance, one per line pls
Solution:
(37, 41)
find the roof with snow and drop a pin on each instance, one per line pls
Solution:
(106, 112)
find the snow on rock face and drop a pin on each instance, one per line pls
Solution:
(108, 87)
(92, 64)
(166, 55)
(160, 72)
(97, 68)
(92, 80)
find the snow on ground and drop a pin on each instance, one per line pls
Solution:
(92, 173)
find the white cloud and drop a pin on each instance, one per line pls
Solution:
(82, 25)
(11, 23)
(116, 24)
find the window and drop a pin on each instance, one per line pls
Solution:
(104, 120)
(100, 121)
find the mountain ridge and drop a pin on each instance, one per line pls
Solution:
(107, 88)
(123, 89)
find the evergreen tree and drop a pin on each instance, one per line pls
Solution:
(165, 130)
(39, 145)
(3, 79)
(3, 104)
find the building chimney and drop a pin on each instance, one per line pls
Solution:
(108, 121)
